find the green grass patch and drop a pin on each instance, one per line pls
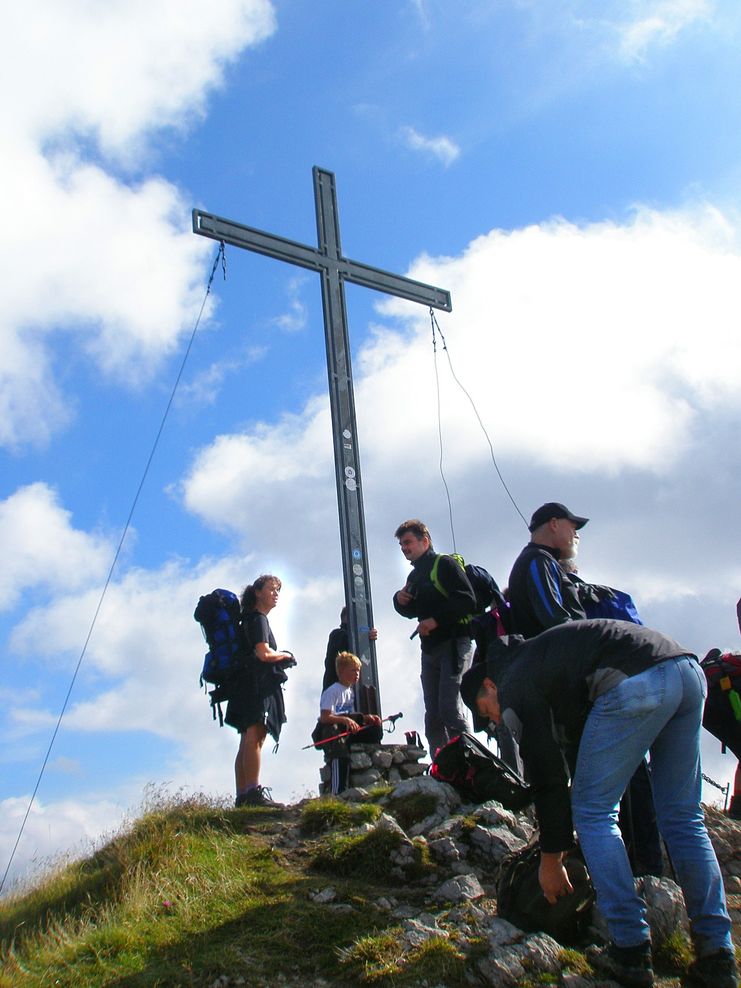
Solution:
(575, 961)
(361, 856)
(381, 960)
(185, 895)
(328, 813)
(412, 809)
(674, 955)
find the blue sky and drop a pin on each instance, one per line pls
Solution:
(571, 177)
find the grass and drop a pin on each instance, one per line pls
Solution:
(329, 813)
(189, 892)
(380, 961)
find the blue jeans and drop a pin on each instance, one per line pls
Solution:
(658, 711)
(442, 669)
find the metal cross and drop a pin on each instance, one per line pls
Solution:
(327, 261)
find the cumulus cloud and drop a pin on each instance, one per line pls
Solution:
(42, 549)
(113, 260)
(619, 306)
(445, 150)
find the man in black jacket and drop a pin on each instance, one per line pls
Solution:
(596, 696)
(540, 594)
(442, 614)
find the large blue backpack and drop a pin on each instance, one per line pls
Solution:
(218, 614)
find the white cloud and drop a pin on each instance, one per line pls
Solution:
(69, 826)
(41, 549)
(113, 262)
(121, 69)
(445, 150)
(637, 320)
(658, 24)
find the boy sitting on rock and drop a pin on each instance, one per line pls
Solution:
(337, 715)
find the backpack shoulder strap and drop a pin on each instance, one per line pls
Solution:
(435, 579)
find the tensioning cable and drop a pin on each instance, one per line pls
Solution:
(220, 256)
(435, 330)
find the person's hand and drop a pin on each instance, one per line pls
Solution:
(403, 597)
(372, 719)
(373, 634)
(553, 877)
(426, 626)
(351, 725)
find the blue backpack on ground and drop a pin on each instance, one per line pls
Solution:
(218, 614)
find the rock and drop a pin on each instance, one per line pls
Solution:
(382, 759)
(324, 896)
(360, 759)
(496, 843)
(459, 889)
(445, 849)
(366, 779)
(410, 770)
(664, 906)
(356, 794)
(388, 823)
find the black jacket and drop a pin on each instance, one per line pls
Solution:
(540, 593)
(449, 611)
(545, 696)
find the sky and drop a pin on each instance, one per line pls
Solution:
(569, 172)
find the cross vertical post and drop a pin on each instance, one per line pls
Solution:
(334, 269)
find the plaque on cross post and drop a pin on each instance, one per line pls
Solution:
(328, 261)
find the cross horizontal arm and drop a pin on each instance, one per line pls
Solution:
(249, 238)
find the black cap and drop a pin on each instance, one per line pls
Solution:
(499, 655)
(471, 683)
(554, 510)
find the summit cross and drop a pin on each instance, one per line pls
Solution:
(334, 269)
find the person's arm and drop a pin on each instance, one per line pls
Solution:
(258, 631)
(545, 763)
(267, 654)
(343, 720)
(544, 590)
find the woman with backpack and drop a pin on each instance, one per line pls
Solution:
(256, 708)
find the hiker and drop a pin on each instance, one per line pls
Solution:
(256, 708)
(337, 715)
(596, 696)
(540, 593)
(338, 641)
(543, 594)
(720, 718)
(722, 715)
(442, 625)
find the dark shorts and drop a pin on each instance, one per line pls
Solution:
(245, 708)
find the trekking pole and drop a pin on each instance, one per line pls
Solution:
(335, 737)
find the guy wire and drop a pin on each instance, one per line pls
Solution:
(436, 326)
(219, 256)
(440, 434)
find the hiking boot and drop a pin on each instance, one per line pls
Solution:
(259, 796)
(718, 970)
(630, 966)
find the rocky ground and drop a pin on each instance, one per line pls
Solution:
(455, 898)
